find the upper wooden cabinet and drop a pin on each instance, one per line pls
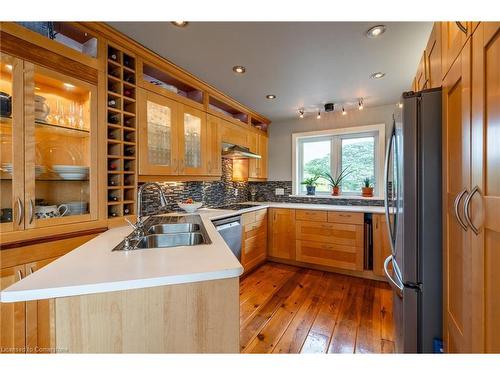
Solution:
(158, 134)
(421, 76)
(433, 57)
(214, 146)
(50, 176)
(192, 141)
(454, 34)
(258, 143)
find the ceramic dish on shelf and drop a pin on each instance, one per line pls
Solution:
(71, 172)
(190, 207)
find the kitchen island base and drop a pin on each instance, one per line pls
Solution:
(201, 317)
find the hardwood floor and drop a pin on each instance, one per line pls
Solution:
(286, 309)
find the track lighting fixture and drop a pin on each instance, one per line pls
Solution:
(343, 111)
(360, 104)
(319, 115)
(301, 113)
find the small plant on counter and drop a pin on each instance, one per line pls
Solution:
(335, 182)
(311, 183)
(367, 189)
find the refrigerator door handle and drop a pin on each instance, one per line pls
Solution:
(386, 183)
(395, 283)
(456, 204)
(467, 209)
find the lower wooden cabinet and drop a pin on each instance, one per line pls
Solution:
(381, 244)
(28, 327)
(282, 233)
(254, 239)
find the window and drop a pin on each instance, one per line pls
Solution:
(359, 150)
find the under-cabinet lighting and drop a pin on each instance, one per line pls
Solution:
(8, 66)
(68, 85)
(37, 88)
(376, 31)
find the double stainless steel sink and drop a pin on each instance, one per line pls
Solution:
(167, 231)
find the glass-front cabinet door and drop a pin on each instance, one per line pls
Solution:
(60, 148)
(192, 141)
(158, 135)
(11, 144)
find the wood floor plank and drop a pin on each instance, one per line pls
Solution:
(369, 339)
(262, 292)
(322, 328)
(293, 338)
(274, 328)
(346, 329)
(287, 309)
(265, 312)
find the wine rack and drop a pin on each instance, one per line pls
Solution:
(121, 128)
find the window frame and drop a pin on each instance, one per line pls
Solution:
(336, 136)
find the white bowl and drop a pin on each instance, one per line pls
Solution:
(190, 207)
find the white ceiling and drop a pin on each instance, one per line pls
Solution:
(304, 63)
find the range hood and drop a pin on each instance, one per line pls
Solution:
(230, 151)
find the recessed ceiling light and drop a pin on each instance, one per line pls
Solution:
(375, 31)
(68, 85)
(180, 23)
(239, 69)
(377, 75)
(270, 96)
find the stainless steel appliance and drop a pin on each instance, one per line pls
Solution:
(413, 213)
(230, 230)
(230, 151)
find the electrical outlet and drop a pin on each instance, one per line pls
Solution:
(279, 191)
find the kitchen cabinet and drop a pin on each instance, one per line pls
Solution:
(433, 57)
(258, 143)
(456, 173)
(214, 146)
(192, 142)
(421, 75)
(254, 239)
(50, 177)
(12, 315)
(381, 244)
(233, 134)
(483, 256)
(454, 34)
(40, 329)
(158, 134)
(281, 243)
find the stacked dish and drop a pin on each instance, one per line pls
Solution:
(77, 207)
(71, 172)
(7, 167)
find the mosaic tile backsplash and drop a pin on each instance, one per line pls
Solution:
(225, 191)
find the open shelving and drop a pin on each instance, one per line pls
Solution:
(121, 130)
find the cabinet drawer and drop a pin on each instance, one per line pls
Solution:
(256, 244)
(254, 229)
(346, 217)
(334, 255)
(310, 215)
(341, 234)
(253, 216)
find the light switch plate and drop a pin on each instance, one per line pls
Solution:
(279, 191)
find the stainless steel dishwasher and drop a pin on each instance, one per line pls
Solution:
(230, 230)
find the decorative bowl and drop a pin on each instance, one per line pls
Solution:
(190, 207)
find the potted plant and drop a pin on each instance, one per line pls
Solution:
(311, 183)
(334, 182)
(367, 189)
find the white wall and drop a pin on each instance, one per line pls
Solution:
(280, 133)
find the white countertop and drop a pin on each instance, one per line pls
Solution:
(94, 268)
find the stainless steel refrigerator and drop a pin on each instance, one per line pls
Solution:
(414, 221)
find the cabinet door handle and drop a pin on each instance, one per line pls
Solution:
(462, 27)
(467, 210)
(456, 204)
(32, 210)
(20, 208)
(19, 275)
